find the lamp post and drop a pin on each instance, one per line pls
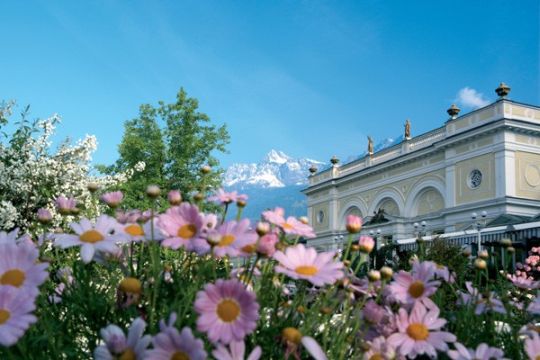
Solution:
(420, 229)
(478, 223)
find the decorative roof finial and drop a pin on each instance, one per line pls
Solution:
(503, 90)
(407, 134)
(453, 111)
(334, 160)
(313, 169)
(369, 145)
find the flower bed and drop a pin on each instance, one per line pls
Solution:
(188, 284)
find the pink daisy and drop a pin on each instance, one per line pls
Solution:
(131, 216)
(13, 237)
(92, 237)
(181, 224)
(534, 305)
(15, 314)
(295, 227)
(482, 352)
(118, 346)
(523, 283)
(233, 237)
(416, 334)
(228, 312)
(237, 352)
(418, 285)
(299, 262)
(224, 197)
(532, 346)
(276, 216)
(379, 348)
(19, 267)
(481, 303)
(171, 344)
(66, 205)
(113, 199)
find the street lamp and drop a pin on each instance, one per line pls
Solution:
(478, 225)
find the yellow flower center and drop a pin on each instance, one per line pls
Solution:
(416, 289)
(228, 310)
(376, 357)
(187, 231)
(91, 236)
(4, 316)
(134, 230)
(226, 240)
(128, 355)
(537, 357)
(306, 270)
(180, 355)
(287, 226)
(249, 248)
(13, 277)
(292, 335)
(418, 331)
(130, 285)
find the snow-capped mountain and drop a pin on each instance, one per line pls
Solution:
(277, 170)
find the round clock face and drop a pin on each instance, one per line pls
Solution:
(320, 216)
(475, 179)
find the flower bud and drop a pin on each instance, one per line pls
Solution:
(483, 254)
(386, 272)
(467, 252)
(241, 203)
(153, 191)
(480, 264)
(198, 197)
(44, 216)
(263, 228)
(130, 285)
(301, 309)
(511, 249)
(291, 335)
(506, 242)
(374, 275)
(174, 197)
(366, 244)
(92, 187)
(354, 224)
(113, 198)
(355, 247)
(304, 220)
(213, 237)
(206, 169)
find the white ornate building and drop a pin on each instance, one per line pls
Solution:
(486, 160)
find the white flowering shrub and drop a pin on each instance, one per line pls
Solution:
(33, 174)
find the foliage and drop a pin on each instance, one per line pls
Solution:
(33, 174)
(174, 140)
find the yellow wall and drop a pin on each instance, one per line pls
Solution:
(527, 175)
(486, 190)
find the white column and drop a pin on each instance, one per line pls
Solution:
(333, 207)
(505, 173)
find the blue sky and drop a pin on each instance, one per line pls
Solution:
(311, 78)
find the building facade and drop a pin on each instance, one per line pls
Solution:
(486, 161)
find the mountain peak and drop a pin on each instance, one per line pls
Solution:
(277, 157)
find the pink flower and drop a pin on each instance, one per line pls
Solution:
(299, 262)
(131, 216)
(379, 348)
(267, 244)
(174, 197)
(381, 319)
(227, 311)
(353, 224)
(275, 216)
(237, 352)
(523, 283)
(417, 286)
(172, 344)
(118, 346)
(181, 225)
(226, 197)
(482, 304)
(92, 237)
(66, 205)
(534, 306)
(44, 215)
(482, 352)
(418, 332)
(19, 267)
(532, 346)
(295, 227)
(16, 307)
(366, 244)
(113, 199)
(233, 237)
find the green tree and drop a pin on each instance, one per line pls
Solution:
(175, 141)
